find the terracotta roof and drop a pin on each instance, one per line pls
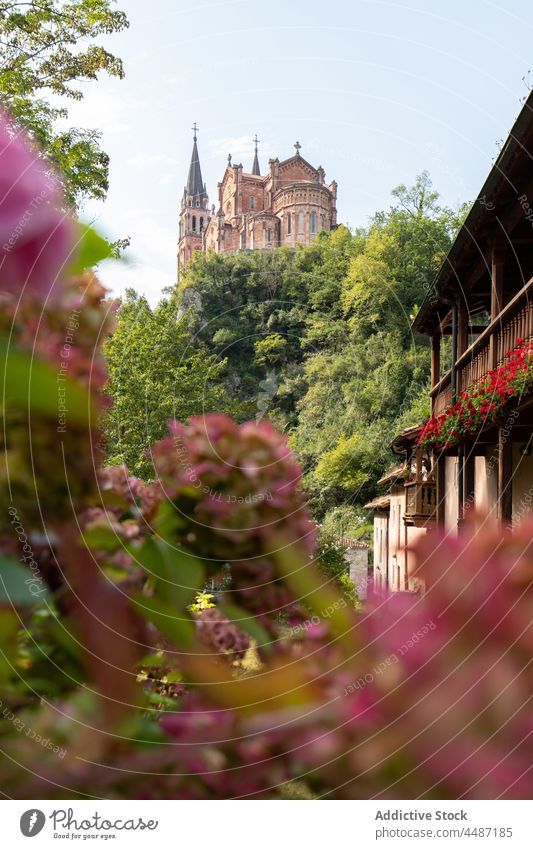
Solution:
(392, 474)
(354, 543)
(408, 435)
(378, 503)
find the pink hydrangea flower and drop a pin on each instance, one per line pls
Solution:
(36, 239)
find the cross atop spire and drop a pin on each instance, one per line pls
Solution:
(298, 147)
(195, 131)
(255, 167)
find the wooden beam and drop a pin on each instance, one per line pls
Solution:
(496, 292)
(435, 359)
(496, 299)
(473, 330)
(462, 330)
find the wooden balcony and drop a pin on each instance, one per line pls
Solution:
(420, 500)
(488, 350)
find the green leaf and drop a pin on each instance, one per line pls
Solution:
(151, 660)
(179, 575)
(28, 382)
(247, 623)
(102, 538)
(167, 521)
(91, 249)
(177, 626)
(18, 586)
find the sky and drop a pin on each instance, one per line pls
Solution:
(375, 91)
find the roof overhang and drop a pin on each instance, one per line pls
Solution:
(505, 183)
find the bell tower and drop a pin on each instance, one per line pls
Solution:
(194, 212)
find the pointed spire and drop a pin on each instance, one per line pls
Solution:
(195, 186)
(255, 167)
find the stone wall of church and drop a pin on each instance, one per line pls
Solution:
(288, 206)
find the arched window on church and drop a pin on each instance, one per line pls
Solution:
(201, 223)
(269, 235)
(194, 223)
(313, 222)
(300, 223)
(289, 224)
(252, 202)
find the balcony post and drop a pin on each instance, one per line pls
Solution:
(453, 376)
(496, 298)
(435, 365)
(462, 329)
(505, 477)
(435, 359)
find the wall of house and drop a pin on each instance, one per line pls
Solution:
(522, 484)
(394, 561)
(486, 484)
(357, 559)
(397, 539)
(414, 534)
(381, 522)
(451, 500)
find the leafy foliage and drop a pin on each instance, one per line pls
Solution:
(45, 58)
(156, 373)
(324, 333)
(111, 662)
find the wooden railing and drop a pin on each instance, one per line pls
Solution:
(488, 350)
(420, 500)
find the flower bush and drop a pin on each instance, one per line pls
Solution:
(483, 402)
(36, 239)
(112, 685)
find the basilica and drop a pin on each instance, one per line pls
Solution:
(288, 206)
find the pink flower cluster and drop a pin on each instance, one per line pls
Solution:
(432, 703)
(36, 238)
(237, 490)
(458, 696)
(483, 401)
(60, 322)
(220, 635)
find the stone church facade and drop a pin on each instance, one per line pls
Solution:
(288, 206)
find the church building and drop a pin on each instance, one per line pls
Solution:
(287, 206)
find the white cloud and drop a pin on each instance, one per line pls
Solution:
(241, 149)
(107, 109)
(149, 280)
(144, 160)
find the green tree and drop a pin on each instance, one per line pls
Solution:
(46, 53)
(155, 374)
(327, 330)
